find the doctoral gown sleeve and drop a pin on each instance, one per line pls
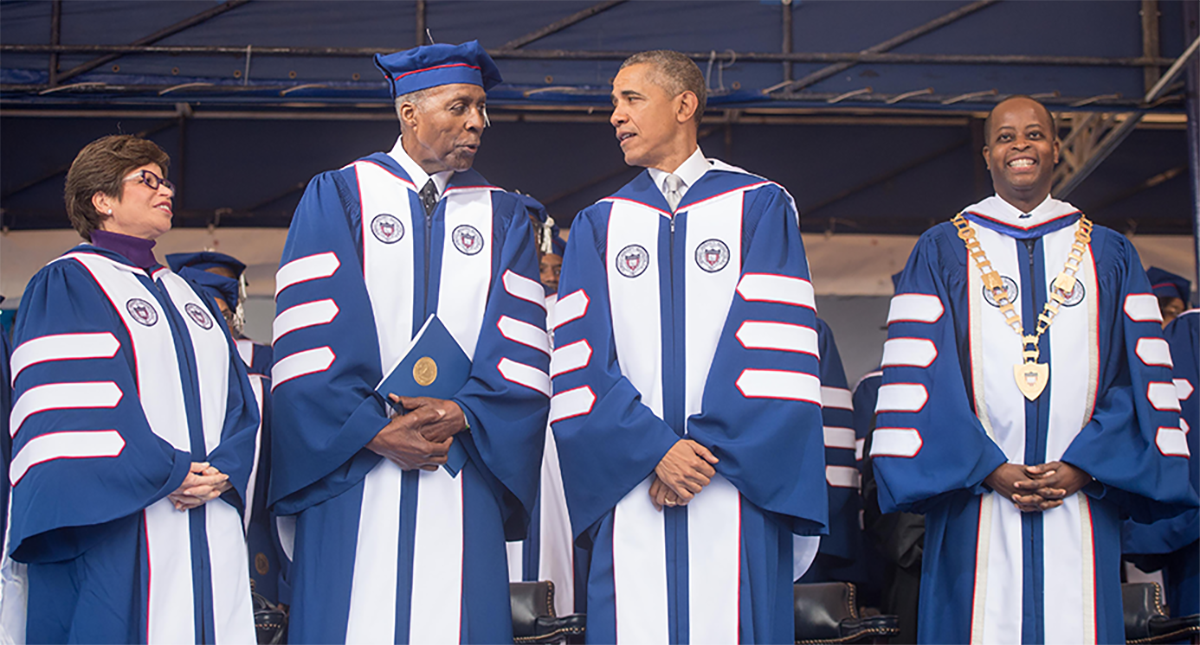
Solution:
(506, 398)
(325, 406)
(608, 440)
(770, 443)
(942, 447)
(1133, 444)
(65, 493)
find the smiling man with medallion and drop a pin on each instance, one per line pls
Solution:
(687, 406)
(401, 520)
(1026, 405)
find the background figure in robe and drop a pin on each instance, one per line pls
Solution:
(686, 398)
(1024, 490)
(1173, 545)
(548, 552)
(893, 543)
(840, 556)
(402, 520)
(1173, 292)
(134, 427)
(12, 575)
(219, 276)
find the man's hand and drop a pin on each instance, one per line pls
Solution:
(686, 469)
(1056, 481)
(1014, 483)
(449, 419)
(661, 495)
(202, 485)
(402, 442)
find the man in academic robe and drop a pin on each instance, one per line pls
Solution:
(402, 521)
(839, 556)
(686, 393)
(219, 276)
(1026, 405)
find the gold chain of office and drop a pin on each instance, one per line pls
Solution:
(1031, 376)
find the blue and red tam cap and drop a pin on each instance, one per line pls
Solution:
(433, 65)
(1165, 284)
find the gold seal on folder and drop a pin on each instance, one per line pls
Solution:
(425, 371)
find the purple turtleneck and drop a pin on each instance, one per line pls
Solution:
(135, 249)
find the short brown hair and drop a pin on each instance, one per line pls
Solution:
(101, 167)
(676, 74)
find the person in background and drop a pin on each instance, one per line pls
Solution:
(395, 542)
(839, 557)
(687, 402)
(1026, 405)
(220, 277)
(133, 428)
(1173, 292)
(548, 552)
(894, 541)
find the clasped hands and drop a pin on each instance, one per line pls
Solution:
(682, 473)
(203, 484)
(421, 437)
(1033, 489)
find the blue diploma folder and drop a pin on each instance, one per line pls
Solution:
(434, 366)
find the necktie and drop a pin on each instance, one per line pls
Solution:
(674, 192)
(429, 197)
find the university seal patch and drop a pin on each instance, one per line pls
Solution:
(142, 311)
(633, 260)
(1010, 290)
(387, 228)
(1076, 295)
(467, 239)
(199, 315)
(712, 255)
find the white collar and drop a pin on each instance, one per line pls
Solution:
(996, 208)
(690, 171)
(416, 172)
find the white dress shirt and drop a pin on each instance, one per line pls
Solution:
(418, 174)
(690, 171)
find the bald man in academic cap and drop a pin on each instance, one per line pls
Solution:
(402, 520)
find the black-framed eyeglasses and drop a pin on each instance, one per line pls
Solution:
(151, 180)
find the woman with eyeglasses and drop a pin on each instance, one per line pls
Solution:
(133, 430)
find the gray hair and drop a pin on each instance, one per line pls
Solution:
(417, 98)
(675, 73)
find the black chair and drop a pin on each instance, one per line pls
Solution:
(1147, 621)
(270, 620)
(533, 615)
(827, 612)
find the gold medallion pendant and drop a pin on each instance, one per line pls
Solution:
(1031, 378)
(1030, 375)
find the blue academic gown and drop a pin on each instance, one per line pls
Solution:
(840, 554)
(949, 413)
(382, 555)
(1176, 538)
(695, 324)
(125, 357)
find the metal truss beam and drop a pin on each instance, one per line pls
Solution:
(912, 34)
(152, 38)
(559, 25)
